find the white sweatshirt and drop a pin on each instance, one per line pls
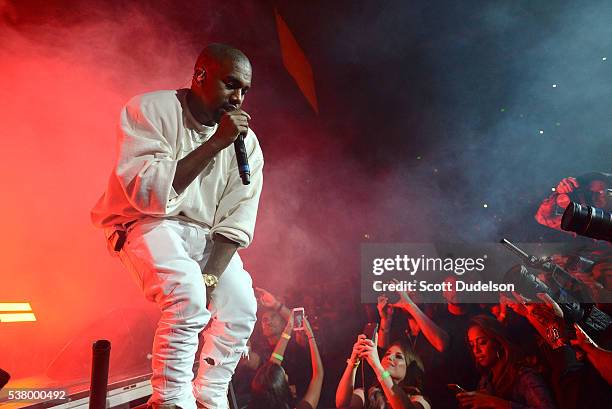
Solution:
(156, 130)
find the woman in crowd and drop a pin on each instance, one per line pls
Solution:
(270, 389)
(400, 378)
(506, 381)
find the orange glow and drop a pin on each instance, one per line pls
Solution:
(64, 118)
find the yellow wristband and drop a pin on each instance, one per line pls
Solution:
(278, 356)
(354, 364)
(285, 335)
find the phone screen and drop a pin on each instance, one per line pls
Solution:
(455, 388)
(298, 319)
(370, 330)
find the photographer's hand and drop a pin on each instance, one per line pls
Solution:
(547, 214)
(547, 319)
(567, 185)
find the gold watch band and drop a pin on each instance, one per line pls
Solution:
(210, 280)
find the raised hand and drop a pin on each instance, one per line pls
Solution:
(404, 302)
(357, 349)
(547, 319)
(385, 309)
(231, 124)
(369, 351)
(567, 185)
(289, 325)
(266, 298)
(307, 328)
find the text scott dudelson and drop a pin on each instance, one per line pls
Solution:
(459, 286)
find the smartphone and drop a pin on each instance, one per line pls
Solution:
(455, 388)
(298, 319)
(370, 330)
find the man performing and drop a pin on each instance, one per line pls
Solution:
(176, 211)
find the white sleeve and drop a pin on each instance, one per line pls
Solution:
(146, 164)
(237, 209)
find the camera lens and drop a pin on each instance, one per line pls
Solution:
(587, 221)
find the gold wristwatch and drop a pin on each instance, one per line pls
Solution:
(210, 280)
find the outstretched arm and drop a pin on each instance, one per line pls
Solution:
(278, 354)
(436, 336)
(385, 310)
(345, 394)
(313, 393)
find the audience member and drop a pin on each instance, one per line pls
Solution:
(270, 387)
(506, 382)
(400, 378)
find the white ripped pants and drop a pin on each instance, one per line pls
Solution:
(166, 257)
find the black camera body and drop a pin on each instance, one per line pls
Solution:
(571, 295)
(596, 323)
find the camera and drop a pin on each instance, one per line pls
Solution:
(587, 221)
(564, 289)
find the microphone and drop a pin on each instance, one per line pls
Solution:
(243, 161)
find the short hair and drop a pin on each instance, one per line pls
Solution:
(219, 52)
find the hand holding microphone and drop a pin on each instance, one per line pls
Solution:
(233, 128)
(242, 159)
